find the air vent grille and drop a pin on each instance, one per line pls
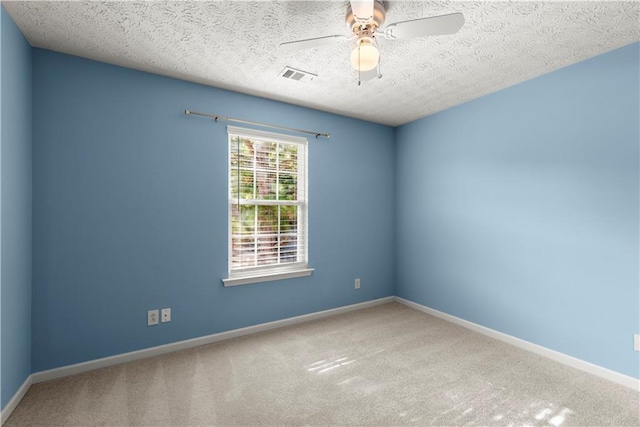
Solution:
(298, 75)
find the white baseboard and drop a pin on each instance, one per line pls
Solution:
(65, 371)
(11, 405)
(565, 359)
(90, 365)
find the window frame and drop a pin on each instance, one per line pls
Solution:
(267, 273)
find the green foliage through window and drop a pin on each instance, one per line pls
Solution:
(266, 213)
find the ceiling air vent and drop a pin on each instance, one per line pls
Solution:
(299, 75)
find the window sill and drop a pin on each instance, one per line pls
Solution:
(266, 277)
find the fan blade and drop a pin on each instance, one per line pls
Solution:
(362, 9)
(432, 26)
(309, 43)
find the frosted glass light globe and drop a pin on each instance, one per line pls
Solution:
(365, 56)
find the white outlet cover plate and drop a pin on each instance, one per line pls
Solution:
(636, 342)
(152, 317)
(166, 315)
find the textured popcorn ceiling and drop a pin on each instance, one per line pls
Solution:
(234, 45)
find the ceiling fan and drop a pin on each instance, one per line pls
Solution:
(364, 18)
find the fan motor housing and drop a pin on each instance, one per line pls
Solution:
(378, 18)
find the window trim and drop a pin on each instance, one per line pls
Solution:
(275, 272)
(248, 277)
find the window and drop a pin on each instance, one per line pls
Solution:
(267, 206)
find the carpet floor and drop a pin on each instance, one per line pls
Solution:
(386, 365)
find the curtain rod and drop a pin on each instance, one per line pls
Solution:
(231, 119)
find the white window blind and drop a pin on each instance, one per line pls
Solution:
(267, 206)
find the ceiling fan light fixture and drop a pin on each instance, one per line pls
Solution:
(365, 55)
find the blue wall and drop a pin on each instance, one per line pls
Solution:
(519, 211)
(15, 138)
(130, 211)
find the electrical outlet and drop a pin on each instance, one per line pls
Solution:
(166, 315)
(636, 342)
(357, 283)
(152, 317)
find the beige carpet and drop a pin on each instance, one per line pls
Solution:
(385, 365)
